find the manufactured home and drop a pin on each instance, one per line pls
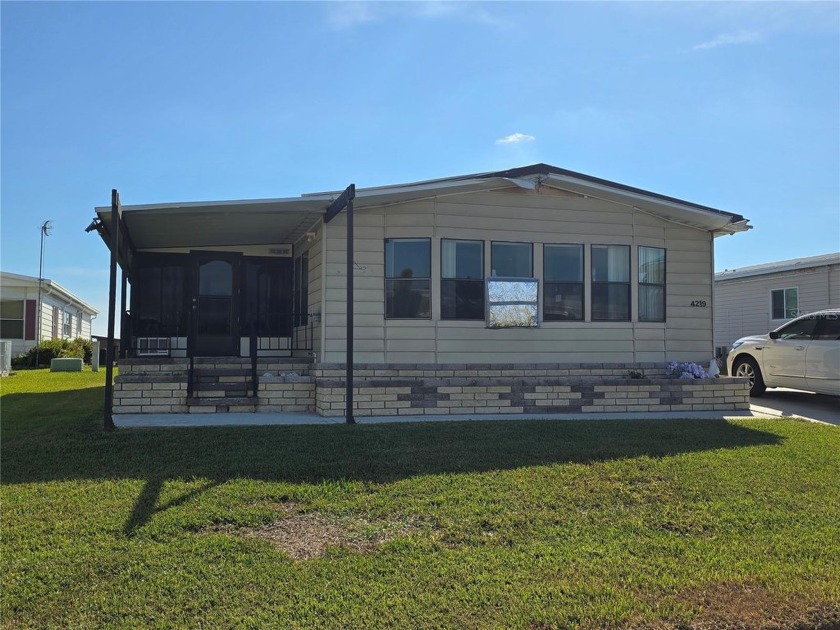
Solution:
(33, 311)
(534, 272)
(756, 299)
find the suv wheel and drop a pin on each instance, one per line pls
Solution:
(748, 368)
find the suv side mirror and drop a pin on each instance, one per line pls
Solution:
(774, 334)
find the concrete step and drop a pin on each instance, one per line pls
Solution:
(217, 401)
(214, 372)
(215, 386)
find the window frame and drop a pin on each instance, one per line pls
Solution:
(22, 320)
(548, 283)
(663, 284)
(387, 279)
(784, 291)
(594, 283)
(444, 280)
(66, 324)
(492, 268)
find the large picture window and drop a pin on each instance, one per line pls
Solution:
(562, 282)
(11, 319)
(785, 303)
(408, 273)
(611, 283)
(651, 284)
(512, 260)
(462, 279)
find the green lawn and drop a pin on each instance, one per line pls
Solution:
(523, 524)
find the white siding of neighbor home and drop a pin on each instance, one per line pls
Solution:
(48, 303)
(743, 305)
(549, 216)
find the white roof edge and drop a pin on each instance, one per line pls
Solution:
(780, 266)
(70, 297)
(719, 219)
(716, 221)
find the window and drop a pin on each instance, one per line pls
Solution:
(800, 329)
(78, 323)
(611, 283)
(785, 303)
(651, 284)
(11, 319)
(301, 293)
(67, 328)
(512, 260)
(462, 279)
(828, 327)
(563, 282)
(408, 272)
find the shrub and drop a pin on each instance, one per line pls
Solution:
(87, 347)
(46, 351)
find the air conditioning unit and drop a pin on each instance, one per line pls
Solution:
(152, 346)
(5, 357)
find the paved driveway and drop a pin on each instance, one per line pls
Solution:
(781, 401)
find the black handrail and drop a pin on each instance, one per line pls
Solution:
(252, 350)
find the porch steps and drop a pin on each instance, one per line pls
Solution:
(217, 386)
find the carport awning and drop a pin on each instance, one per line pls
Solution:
(216, 224)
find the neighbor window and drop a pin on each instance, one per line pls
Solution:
(785, 303)
(611, 283)
(67, 328)
(651, 284)
(512, 260)
(562, 282)
(462, 279)
(408, 273)
(78, 323)
(11, 319)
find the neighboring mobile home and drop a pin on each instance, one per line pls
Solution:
(534, 266)
(756, 299)
(62, 315)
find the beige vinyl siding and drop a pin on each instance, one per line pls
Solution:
(743, 305)
(524, 216)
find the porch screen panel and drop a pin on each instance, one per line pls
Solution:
(267, 297)
(160, 306)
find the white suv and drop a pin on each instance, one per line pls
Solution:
(802, 354)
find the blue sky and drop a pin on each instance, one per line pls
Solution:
(732, 105)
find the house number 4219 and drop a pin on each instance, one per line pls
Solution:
(700, 303)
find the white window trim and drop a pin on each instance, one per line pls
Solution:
(783, 289)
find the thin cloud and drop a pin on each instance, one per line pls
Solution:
(344, 15)
(729, 39)
(516, 138)
(347, 15)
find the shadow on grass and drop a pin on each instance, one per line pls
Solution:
(75, 448)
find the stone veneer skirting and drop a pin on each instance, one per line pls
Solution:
(160, 386)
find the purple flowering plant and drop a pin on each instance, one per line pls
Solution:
(686, 371)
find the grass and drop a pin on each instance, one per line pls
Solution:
(522, 524)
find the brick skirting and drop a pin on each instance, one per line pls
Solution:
(532, 396)
(160, 386)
